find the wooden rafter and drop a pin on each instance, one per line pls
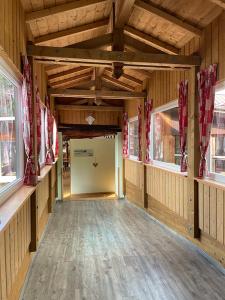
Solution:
(220, 3)
(60, 9)
(135, 45)
(72, 80)
(118, 83)
(168, 17)
(150, 40)
(88, 108)
(71, 72)
(95, 43)
(106, 58)
(123, 13)
(73, 93)
(45, 39)
(132, 79)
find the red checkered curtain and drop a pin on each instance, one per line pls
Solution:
(30, 175)
(206, 89)
(183, 122)
(125, 135)
(49, 119)
(38, 116)
(148, 110)
(139, 133)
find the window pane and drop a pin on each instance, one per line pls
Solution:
(166, 140)
(133, 138)
(216, 156)
(8, 157)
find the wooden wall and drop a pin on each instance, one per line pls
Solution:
(166, 191)
(14, 252)
(101, 117)
(12, 33)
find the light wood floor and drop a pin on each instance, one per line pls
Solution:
(113, 250)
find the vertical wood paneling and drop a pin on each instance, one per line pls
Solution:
(169, 188)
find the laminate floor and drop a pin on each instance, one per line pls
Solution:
(113, 250)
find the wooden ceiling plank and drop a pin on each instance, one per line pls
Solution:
(183, 24)
(150, 40)
(93, 94)
(104, 58)
(44, 39)
(118, 83)
(88, 108)
(60, 9)
(78, 70)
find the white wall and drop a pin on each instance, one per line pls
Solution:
(85, 178)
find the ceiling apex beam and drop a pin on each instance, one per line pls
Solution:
(220, 3)
(106, 58)
(150, 40)
(168, 17)
(73, 93)
(45, 39)
(124, 11)
(60, 9)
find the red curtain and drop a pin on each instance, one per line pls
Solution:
(125, 135)
(139, 133)
(206, 89)
(183, 122)
(148, 110)
(30, 175)
(38, 116)
(49, 119)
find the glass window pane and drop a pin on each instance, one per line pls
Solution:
(166, 140)
(216, 155)
(8, 144)
(133, 138)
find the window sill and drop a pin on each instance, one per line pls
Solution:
(9, 208)
(134, 159)
(152, 165)
(211, 182)
(44, 171)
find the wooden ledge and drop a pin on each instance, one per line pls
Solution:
(44, 171)
(211, 182)
(133, 160)
(10, 207)
(166, 170)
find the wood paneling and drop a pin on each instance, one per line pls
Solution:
(14, 248)
(79, 117)
(12, 33)
(168, 188)
(212, 210)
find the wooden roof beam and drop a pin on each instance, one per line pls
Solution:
(78, 71)
(94, 43)
(159, 12)
(135, 45)
(73, 93)
(220, 3)
(125, 8)
(150, 40)
(126, 76)
(118, 83)
(106, 58)
(88, 108)
(45, 39)
(67, 81)
(60, 9)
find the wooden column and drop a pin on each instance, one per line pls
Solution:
(193, 155)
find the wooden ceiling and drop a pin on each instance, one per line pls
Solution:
(156, 27)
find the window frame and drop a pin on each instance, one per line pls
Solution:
(133, 119)
(43, 107)
(10, 188)
(162, 164)
(213, 175)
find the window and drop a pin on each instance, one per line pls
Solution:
(42, 151)
(133, 138)
(165, 146)
(11, 142)
(216, 149)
